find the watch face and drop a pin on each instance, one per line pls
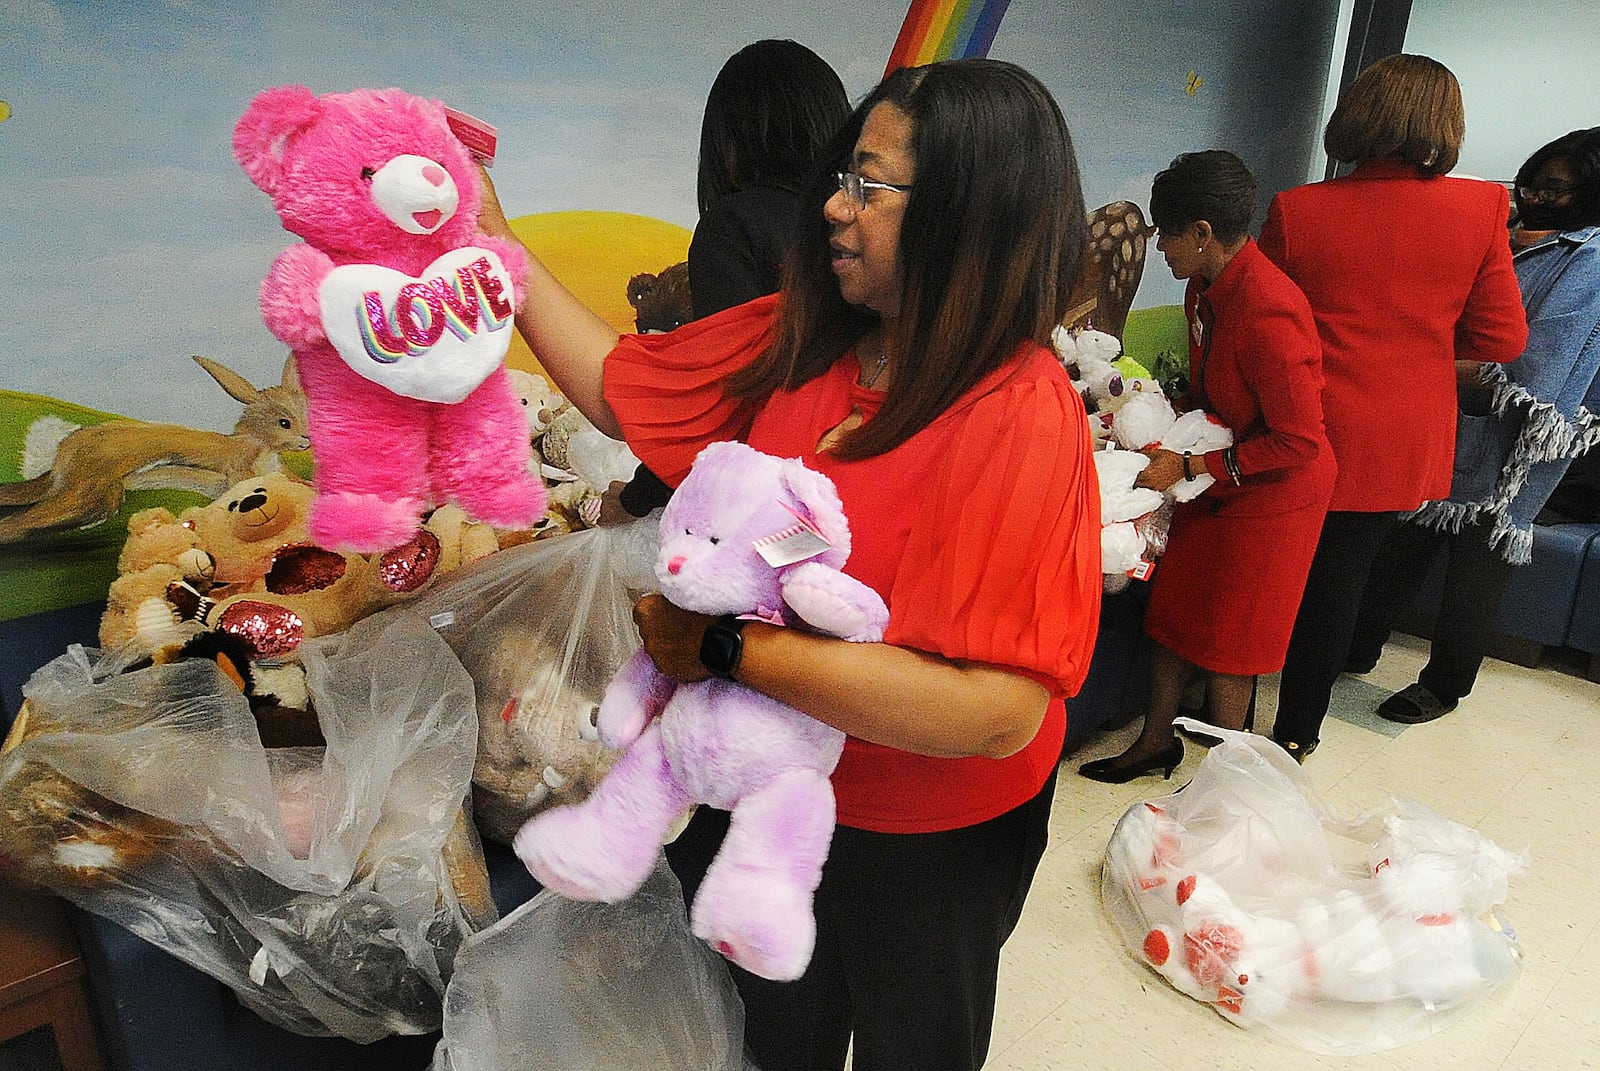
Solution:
(720, 648)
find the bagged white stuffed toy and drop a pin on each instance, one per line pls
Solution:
(1246, 893)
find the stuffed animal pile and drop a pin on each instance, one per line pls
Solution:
(1106, 380)
(1233, 892)
(399, 313)
(245, 565)
(717, 742)
(240, 582)
(1130, 414)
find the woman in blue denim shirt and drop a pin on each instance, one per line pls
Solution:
(1520, 426)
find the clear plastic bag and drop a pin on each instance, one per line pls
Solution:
(542, 628)
(1338, 936)
(560, 985)
(329, 887)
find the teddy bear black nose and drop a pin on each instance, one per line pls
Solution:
(250, 502)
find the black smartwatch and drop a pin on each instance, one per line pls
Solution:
(722, 646)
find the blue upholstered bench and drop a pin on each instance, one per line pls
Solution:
(1544, 606)
(1583, 631)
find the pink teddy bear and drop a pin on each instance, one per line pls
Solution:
(398, 311)
(729, 540)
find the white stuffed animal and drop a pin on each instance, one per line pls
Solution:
(1148, 419)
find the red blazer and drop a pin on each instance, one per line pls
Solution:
(1405, 275)
(1256, 364)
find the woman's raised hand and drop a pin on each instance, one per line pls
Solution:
(491, 217)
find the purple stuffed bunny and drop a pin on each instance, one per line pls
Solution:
(717, 742)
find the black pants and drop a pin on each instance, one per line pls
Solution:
(909, 931)
(1326, 621)
(1475, 578)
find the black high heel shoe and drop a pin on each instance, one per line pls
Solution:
(1110, 772)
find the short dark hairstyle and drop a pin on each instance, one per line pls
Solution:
(1581, 151)
(991, 243)
(1404, 106)
(1213, 185)
(770, 115)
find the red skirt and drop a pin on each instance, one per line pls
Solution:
(1226, 591)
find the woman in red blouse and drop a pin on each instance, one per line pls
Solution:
(1224, 597)
(1407, 271)
(907, 358)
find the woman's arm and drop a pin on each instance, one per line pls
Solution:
(569, 340)
(878, 692)
(1281, 361)
(1493, 326)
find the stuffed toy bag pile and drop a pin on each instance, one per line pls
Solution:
(329, 887)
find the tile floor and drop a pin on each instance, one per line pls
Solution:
(1517, 760)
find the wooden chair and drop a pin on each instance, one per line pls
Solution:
(42, 978)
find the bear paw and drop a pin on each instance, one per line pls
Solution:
(834, 603)
(757, 920)
(514, 503)
(574, 852)
(362, 523)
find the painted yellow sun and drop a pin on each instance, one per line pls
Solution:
(594, 254)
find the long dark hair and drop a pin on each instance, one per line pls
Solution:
(1214, 185)
(769, 118)
(1581, 151)
(991, 243)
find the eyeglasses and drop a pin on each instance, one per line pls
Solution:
(1541, 194)
(855, 187)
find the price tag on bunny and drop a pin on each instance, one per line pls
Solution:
(434, 337)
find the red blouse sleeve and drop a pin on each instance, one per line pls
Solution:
(666, 390)
(1003, 563)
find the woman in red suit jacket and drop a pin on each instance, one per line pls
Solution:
(1407, 271)
(1224, 598)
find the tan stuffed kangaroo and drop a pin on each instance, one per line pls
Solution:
(94, 466)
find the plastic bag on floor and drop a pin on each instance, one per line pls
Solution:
(329, 887)
(1342, 937)
(542, 628)
(560, 985)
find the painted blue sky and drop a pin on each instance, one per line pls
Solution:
(133, 240)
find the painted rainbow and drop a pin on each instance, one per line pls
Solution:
(946, 29)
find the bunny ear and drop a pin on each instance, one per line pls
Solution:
(816, 499)
(262, 132)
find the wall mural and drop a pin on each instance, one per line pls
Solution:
(135, 242)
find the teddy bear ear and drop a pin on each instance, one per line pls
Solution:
(816, 499)
(260, 136)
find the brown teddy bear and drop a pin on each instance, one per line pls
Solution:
(267, 584)
(537, 743)
(661, 302)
